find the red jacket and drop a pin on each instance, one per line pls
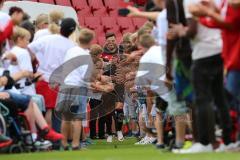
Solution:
(106, 56)
(6, 27)
(230, 36)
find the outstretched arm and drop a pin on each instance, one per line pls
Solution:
(134, 12)
(17, 76)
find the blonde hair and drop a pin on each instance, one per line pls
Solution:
(146, 41)
(95, 50)
(20, 32)
(149, 25)
(143, 30)
(133, 37)
(85, 36)
(127, 37)
(55, 18)
(74, 36)
(41, 19)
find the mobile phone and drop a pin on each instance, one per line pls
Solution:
(123, 12)
(36, 79)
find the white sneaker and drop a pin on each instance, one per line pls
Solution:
(197, 148)
(148, 140)
(120, 136)
(237, 144)
(142, 141)
(224, 148)
(152, 140)
(109, 139)
(43, 144)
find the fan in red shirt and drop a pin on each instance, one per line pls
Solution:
(110, 47)
(6, 25)
(227, 18)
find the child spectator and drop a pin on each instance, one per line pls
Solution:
(48, 24)
(70, 105)
(41, 22)
(95, 52)
(23, 61)
(52, 49)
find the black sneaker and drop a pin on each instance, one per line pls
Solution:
(176, 149)
(160, 146)
(76, 148)
(66, 148)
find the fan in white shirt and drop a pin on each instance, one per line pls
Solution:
(53, 49)
(23, 62)
(76, 77)
(22, 58)
(48, 24)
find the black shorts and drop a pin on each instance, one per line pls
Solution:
(119, 91)
(13, 108)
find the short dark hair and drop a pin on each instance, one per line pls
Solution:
(110, 34)
(14, 9)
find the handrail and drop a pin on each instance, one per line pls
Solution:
(4, 110)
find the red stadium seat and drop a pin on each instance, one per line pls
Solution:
(109, 22)
(47, 1)
(110, 25)
(113, 13)
(99, 31)
(139, 22)
(86, 12)
(131, 29)
(96, 4)
(92, 22)
(79, 4)
(81, 21)
(100, 12)
(34, 1)
(125, 23)
(101, 40)
(63, 2)
(111, 4)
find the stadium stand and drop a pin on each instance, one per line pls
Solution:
(102, 15)
(45, 1)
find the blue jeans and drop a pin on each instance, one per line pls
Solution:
(233, 84)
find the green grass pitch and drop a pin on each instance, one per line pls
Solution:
(118, 151)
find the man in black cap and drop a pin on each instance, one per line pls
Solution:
(52, 49)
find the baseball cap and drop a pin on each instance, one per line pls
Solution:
(68, 26)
